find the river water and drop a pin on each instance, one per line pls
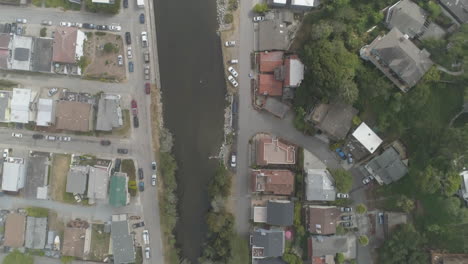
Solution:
(193, 90)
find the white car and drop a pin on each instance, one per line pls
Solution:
(342, 195)
(234, 61)
(120, 60)
(52, 91)
(146, 237)
(129, 52)
(115, 28)
(77, 197)
(65, 24)
(153, 180)
(258, 18)
(46, 22)
(144, 39)
(147, 253)
(233, 72)
(5, 153)
(21, 20)
(233, 160)
(16, 135)
(51, 138)
(230, 43)
(78, 25)
(367, 180)
(65, 138)
(233, 81)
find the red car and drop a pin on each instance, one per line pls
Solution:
(147, 88)
(134, 108)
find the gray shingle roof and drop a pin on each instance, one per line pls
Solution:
(408, 17)
(319, 185)
(109, 114)
(280, 213)
(273, 35)
(272, 242)
(323, 245)
(335, 119)
(122, 243)
(458, 9)
(77, 178)
(36, 230)
(388, 166)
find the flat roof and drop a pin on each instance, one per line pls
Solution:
(109, 114)
(307, 3)
(20, 105)
(77, 178)
(45, 112)
(37, 170)
(14, 230)
(118, 191)
(5, 97)
(73, 116)
(319, 185)
(275, 151)
(42, 55)
(122, 243)
(367, 137)
(13, 176)
(260, 214)
(36, 232)
(21, 48)
(273, 35)
(97, 183)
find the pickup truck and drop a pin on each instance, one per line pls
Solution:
(134, 108)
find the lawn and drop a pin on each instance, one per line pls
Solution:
(129, 167)
(61, 3)
(17, 257)
(58, 181)
(37, 211)
(240, 250)
(99, 242)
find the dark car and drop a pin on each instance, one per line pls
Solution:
(89, 26)
(346, 224)
(346, 217)
(117, 164)
(130, 66)
(38, 136)
(141, 186)
(136, 123)
(140, 224)
(140, 174)
(128, 38)
(105, 142)
(122, 151)
(125, 3)
(142, 18)
(102, 27)
(7, 28)
(346, 209)
(147, 88)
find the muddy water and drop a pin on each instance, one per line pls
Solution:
(193, 90)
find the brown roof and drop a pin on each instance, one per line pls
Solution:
(268, 85)
(64, 45)
(73, 242)
(280, 182)
(14, 230)
(4, 40)
(334, 119)
(275, 151)
(322, 219)
(269, 61)
(74, 116)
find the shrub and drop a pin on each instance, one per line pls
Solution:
(109, 47)
(260, 8)
(43, 32)
(233, 5)
(363, 240)
(343, 180)
(361, 209)
(228, 18)
(340, 258)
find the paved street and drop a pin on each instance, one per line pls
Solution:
(139, 144)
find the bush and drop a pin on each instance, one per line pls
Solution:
(340, 258)
(233, 5)
(228, 18)
(109, 47)
(220, 185)
(83, 62)
(43, 32)
(104, 8)
(260, 8)
(363, 240)
(343, 180)
(361, 209)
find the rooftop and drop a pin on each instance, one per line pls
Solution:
(408, 17)
(294, 71)
(387, 167)
(77, 178)
(73, 116)
(36, 232)
(64, 48)
(457, 8)
(367, 137)
(118, 194)
(331, 245)
(273, 35)
(109, 114)
(319, 185)
(464, 185)
(97, 183)
(14, 230)
(45, 112)
(122, 243)
(276, 107)
(36, 171)
(305, 3)
(269, 61)
(278, 182)
(73, 242)
(21, 52)
(42, 55)
(274, 151)
(267, 243)
(259, 214)
(334, 119)
(20, 105)
(14, 174)
(280, 212)
(5, 97)
(268, 85)
(5, 39)
(322, 220)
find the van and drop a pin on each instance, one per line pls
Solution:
(234, 61)
(145, 236)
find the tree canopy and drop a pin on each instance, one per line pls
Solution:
(405, 246)
(343, 180)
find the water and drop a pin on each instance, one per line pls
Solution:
(193, 90)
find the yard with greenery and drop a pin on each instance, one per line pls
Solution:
(128, 166)
(99, 242)
(65, 4)
(103, 8)
(16, 257)
(37, 211)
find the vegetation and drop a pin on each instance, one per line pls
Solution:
(404, 246)
(16, 257)
(233, 5)
(301, 124)
(103, 8)
(7, 83)
(65, 4)
(343, 180)
(110, 47)
(37, 211)
(292, 258)
(83, 62)
(240, 250)
(43, 32)
(363, 240)
(260, 8)
(228, 18)
(37, 2)
(128, 166)
(340, 258)
(67, 259)
(361, 209)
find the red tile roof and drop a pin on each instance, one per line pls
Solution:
(268, 85)
(65, 45)
(270, 60)
(279, 182)
(4, 40)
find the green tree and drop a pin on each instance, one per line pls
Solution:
(292, 258)
(405, 204)
(228, 18)
(220, 185)
(404, 246)
(260, 8)
(340, 258)
(322, 30)
(428, 180)
(451, 183)
(233, 4)
(343, 180)
(43, 32)
(361, 209)
(434, 9)
(363, 240)
(16, 257)
(109, 47)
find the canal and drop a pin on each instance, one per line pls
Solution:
(193, 90)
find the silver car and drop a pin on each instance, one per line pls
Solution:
(233, 72)
(233, 81)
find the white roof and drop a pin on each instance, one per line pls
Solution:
(45, 112)
(303, 2)
(20, 105)
(101, 1)
(367, 137)
(21, 52)
(97, 183)
(280, 1)
(13, 176)
(80, 38)
(464, 186)
(260, 214)
(296, 72)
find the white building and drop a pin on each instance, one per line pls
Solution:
(14, 173)
(464, 185)
(20, 105)
(45, 112)
(367, 137)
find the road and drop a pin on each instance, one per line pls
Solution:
(140, 143)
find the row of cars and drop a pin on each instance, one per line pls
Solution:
(233, 73)
(47, 137)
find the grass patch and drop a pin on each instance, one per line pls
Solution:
(7, 84)
(58, 179)
(37, 3)
(240, 250)
(16, 257)
(139, 255)
(37, 211)
(99, 242)
(62, 3)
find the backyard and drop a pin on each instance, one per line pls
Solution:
(60, 167)
(99, 242)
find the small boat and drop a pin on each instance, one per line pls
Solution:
(57, 242)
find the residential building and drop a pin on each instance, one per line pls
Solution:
(334, 119)
(280, 213)
(68, 45)
(42, 54)
(73, 116)
(14, 174)
(322, 220)
(5, 39)
(304, 4)
(398, 58)
(20, 48)
(14, 230)
(464, 186)
(37, 171)
(320, 185)
(268, 61)
(78, 2)
(97, 184)
(122, 241)
(273, 35)
(277, 3)
(364, 141)
(45, 112)
(77, 179)
(36, 232)
(294, 70)
(277, 182)
(20, 105)
(109, 115)
(118, 191)
(387, 167)
(269, 85)
(274, 151)
(5, 99)
(323, 249)
(267, 243)
(457, 8)
(74, 241)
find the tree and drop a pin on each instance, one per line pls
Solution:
(228, 18)
(292, 258)
(434, 9)
(405, 204)
(451, 183)
(260, 8)
(322, 30)
(340, 258)
(17, 257)
(43, 32)
(363, 240)
(109, 47)
(361, 209)
(220, 185)
(343, 180)
(428, 180)
(67, 259)
(404, 246)
(233, 4)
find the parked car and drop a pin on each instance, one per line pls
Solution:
(120, 60)
(346, 209)
(134, 106)
(117, 164)
(144, 39)
(153, 165)
(140, 174)
(147, 72)
(65, 24)
(147, 88)
(51, 138)
(21, 21)
(89, 26)
(77, 197)
(128, 38)
(142, 18)
(146, 57)
(125, 3)
(233, 160)
(232, 71)
(64, 138)
(230, 43)
(37, 136)
(367, 180)
(5, 153)
(122, 151)
(129, 53)
(258, 18)
(130, 66)
(233, 81)
(52, 91)
(115, 28)
(146, 238)
(346, 217)
(147, 252)
(19, 31)
(350, 158)
(16, 135)
(340, 153)
(102, 27)
(342, 195)
(136, 122)
(153, 180)
(105, 142)
(78, 25)
(346, 224)
(234, 61)
(141, 186)
(139, 224)
(46, 23)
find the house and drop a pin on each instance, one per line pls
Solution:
(294, 70)
(14, 230)
(304, 5)
(269, 85)
(5, 39)
(323, 249)
(20, 48)
(5, 99)
(122, 241)
(45, 112)
(277, 3)
(457, 8)
(37, 171)
(364, 141)
(14, 174)
(268, 61)
(280, 213)
(334, 119)
(77, 179)
(276, 107)
(398, 58)
(274, 151)
(320, 185)
(68, 45)
(273, 35)
(109, 115)
(97, 184)
(36, 232)
(20, 105)
(118, 191)
(73, 116)
(464, 186)
(267, 243)
(78, 2)
(277, 182)
(322, 220)
(42, 54)
(387, 167)
(74, 241)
